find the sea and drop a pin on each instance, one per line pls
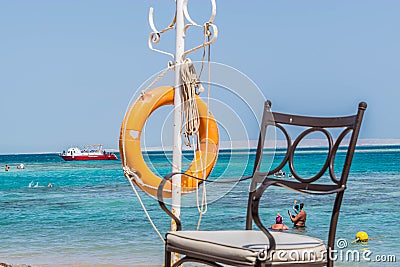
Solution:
(92, 217)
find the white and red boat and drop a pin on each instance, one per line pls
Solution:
(89, 152)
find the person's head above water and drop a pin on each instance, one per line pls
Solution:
(278, 219)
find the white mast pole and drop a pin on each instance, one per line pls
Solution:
(177, 148)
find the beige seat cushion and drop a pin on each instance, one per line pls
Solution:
(243, 247)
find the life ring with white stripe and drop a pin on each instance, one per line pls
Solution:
(131, 154)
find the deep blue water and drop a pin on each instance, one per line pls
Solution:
(91, 216)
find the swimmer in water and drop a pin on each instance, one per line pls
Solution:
(279, 224)
(299, 220)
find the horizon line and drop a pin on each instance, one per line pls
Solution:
(252, 144)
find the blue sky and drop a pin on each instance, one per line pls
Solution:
(69, 68)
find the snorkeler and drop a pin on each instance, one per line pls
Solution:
(299, 220)
(279, 223)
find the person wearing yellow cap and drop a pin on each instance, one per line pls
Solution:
(299, 220)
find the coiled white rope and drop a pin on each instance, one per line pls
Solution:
(190, 115)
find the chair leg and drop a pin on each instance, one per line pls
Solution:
(167, 259)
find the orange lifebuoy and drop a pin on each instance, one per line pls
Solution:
(129, 143)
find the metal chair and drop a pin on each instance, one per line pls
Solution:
(263, 247)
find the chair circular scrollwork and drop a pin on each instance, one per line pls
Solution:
(293, 149)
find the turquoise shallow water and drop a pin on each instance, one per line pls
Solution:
(91, 217)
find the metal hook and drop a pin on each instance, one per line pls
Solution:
(155, 36)
(206, 26)
(192, 22)
(186, 13)
(206, 30)
(152, 25)
(187, 16)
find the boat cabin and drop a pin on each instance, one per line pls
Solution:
(73, 151)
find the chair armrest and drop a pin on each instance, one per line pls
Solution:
(169, 176)
(160, 198)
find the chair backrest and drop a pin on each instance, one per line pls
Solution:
(345, 129)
